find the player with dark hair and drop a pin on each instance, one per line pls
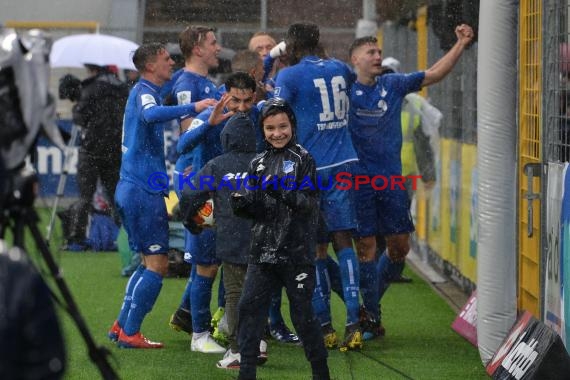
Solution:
(203, 139)
(317, 88)
(375, 125)
(283, 239)
(140, 205)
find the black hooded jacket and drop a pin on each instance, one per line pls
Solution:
(99, 112)
(226, 173)
(285, 221)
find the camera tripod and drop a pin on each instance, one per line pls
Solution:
(17, 215)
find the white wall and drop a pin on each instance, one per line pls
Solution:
(56, 10)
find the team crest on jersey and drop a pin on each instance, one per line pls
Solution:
(276, 92)
(359, 92)
(288, 166)
(207, 90)
(184, 97)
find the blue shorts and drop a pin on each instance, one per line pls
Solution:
(145, 218)
(384, 212)
(201, 249)
(337, 206)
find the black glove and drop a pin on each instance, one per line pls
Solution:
(191, 226)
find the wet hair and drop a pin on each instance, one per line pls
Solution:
(276, 106)
(147, 53)
(303, 39)
(361, 42)
(240, 80)
(245, 60)
(192, 36)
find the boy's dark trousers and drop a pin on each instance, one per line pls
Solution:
(260, 282)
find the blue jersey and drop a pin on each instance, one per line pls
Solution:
(318, 91)
(375, 124)
(203, 139)
(166, 89)
(143, 134)
(190, 87)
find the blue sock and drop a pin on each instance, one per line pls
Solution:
(350, 276)
(275, 316)
(124, 313)
(144, 296)
(185, 302)
(369, 286)
(387, 270)
(334, 277)
(321, 295)
(201, 295)
(221, 290)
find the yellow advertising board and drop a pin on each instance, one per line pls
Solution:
(467, 252)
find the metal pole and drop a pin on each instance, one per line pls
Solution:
(263, 15)
(369, 10)
(62, 178)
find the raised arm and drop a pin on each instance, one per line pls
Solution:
(446, 63)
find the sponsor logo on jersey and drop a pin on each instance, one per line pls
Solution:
(382, 106)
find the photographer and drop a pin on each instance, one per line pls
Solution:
(99, 113)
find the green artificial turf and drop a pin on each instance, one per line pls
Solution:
(419, 343)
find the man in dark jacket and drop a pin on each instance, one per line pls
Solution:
(99, 113)
(282, 199)
(223, 175)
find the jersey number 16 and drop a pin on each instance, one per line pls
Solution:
(339, 98)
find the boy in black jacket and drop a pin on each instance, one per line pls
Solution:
(282, 199)
(221, 176)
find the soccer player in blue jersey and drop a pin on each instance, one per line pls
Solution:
(376, 105)
(139, 200)
(317, 88)
(202, 138)
(200, 49)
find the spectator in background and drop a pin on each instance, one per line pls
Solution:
(99, 113)
(131, 77)
(261, 43)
